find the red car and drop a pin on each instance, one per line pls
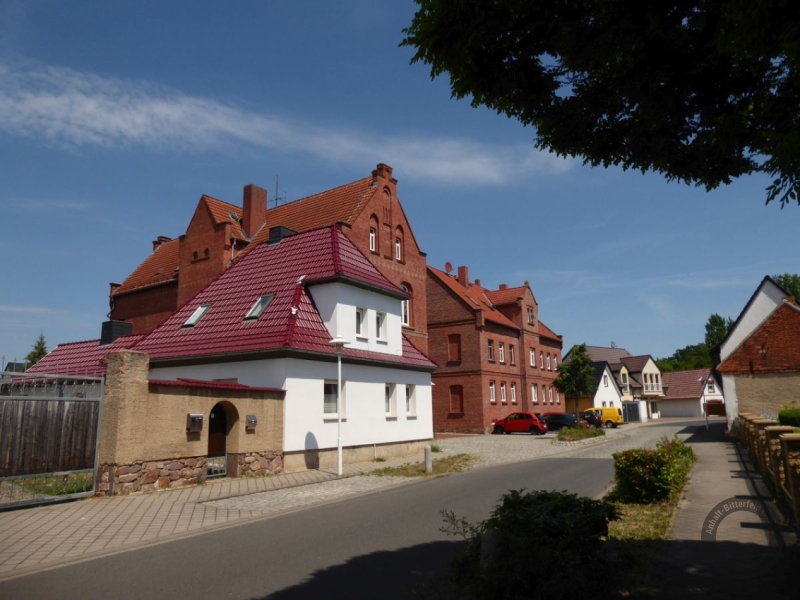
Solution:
(520, 422)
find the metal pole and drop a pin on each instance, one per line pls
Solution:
(339, 408)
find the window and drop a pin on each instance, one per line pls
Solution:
(511, 358)
(329, 398)
(711, 388)
(411, 399)
(390, 402)
(457, 399)
(398, 249)
(551, 395)
(405, 307)
(544, 394)
(503, 392)
(513, 393)
(258, 307)
(558, 397)
(624, 383)
(532, 352)
(541, 360)
(361, 322)
(380, 326)
(501, 351)
(534, 395)
(491, 349)
(605, 382)
(454, 347)
(197, 315)
(548, 362)
(555, 363)
(531, 317)
(491, 392)
(373, 235)
(604, 403)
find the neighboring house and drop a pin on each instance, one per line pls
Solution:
(607, 393)
(759, 359)
(495, 355)
(687, 391)
(218, 232)
(638, 378)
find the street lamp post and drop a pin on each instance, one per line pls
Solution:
(703, 398)
(340, 343)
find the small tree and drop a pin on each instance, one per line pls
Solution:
(576, 376)
(717, 327)
(38, 353)
(790, 282)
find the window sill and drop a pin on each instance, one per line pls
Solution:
(391, 417)
(362, 338)
(411, 417)
(382, 341)
(329, 417)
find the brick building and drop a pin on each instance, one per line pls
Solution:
(218, 232)
(495, 355)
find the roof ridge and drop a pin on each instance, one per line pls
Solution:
(320, 193)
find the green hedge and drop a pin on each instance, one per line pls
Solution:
(644, 476)
(573, 434)
(790, 417)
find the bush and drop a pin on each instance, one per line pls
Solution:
(790, 417)
(644, 476)
(572, 434)
(534, 545)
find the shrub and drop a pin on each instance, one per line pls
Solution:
(572, 434)
(790, 417)
(535, 545)
(644, 476)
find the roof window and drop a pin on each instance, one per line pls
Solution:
(197, 315)
(258, 307)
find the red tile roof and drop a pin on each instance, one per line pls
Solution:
(157, 268)
(81, 358)
(474, 297)
(684, 384)
(545, 331)
(224, 212)
(506, 296)
(291, 319)
(215, 385)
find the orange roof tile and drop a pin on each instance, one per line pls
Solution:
(225, 212)
(157, 268)
(506, 296)
(545, 331)
(474, 297)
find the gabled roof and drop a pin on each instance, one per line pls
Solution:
(679, 385)
(635, 363)
(599, 370)
(601, 353)
(291, 320)
(157, 268)
(473, 297)
(225, 212)
(506, 296)
(81, 358)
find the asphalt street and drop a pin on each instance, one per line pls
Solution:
(378, 545)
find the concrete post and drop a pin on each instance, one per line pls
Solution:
(428, 460)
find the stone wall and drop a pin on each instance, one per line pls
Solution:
(253, 464)
(150, 476)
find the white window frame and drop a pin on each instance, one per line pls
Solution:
(541, 360)
(372, 239)
(362, 331)
(405, 308)
(711, 388)
(411, 400)
(503, 392)
(492, 397)
(555, 363)
(501, 352)
(390, 400)
(535, 393)
(335, 384)
(548, 362)
(605, 380)
(197, 315)
(398, 249)
(550, 393)
(380, 326)
(511, 357)
(491, 349)
(533, 357)
(513, 393)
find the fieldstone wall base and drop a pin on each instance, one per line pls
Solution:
(149, 476)
(256, 464)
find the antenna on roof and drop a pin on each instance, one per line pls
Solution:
(613, 345)
(276, 193)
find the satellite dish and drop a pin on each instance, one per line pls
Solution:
(613, 345)
(448, 267)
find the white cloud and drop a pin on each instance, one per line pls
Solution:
(63, 106)
(42, 206)
(26, 309)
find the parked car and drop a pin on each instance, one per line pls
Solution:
(593, 417)
(520, 422)
(611, 417)
(556, 421)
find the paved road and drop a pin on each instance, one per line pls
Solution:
(376, 545)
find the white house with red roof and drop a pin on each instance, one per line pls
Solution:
(685, 392)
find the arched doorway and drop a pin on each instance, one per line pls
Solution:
(216, 461)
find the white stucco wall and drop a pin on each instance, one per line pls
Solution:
(607, 393)
(766, 300)
(337, 302)
(305, 424)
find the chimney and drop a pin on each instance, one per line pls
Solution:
(158, 242)
(254, 213)
(503, 286)
(382, 171)
(111, 330)
(478, 282)
(463, 276)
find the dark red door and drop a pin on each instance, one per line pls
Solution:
(217, 431)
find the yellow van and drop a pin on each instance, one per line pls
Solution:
(611, 417)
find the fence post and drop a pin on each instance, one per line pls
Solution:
(428, 460)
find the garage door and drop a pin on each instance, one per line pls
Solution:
(680, 408)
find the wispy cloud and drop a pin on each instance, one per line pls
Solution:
(26, 309)
(42, 206)
(66, 107)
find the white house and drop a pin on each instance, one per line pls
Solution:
(686, 391)
(268, 321)
(608, 393)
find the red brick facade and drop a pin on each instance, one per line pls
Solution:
(219, 231)
(772, 348)
(465, 320)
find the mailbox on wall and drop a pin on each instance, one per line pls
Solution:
(194, 422)
(251, 422)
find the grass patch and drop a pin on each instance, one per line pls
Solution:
(574, 434)
(58, 485)
(441, 466)
(435, 448)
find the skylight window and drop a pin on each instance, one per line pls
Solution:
(197, 315)
(258, 307)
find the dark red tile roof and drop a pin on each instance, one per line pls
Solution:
(157, 268)
(684, 384)
(215, 385)
(81, 358)
(291, 319)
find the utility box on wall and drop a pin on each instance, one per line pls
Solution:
(194, 422)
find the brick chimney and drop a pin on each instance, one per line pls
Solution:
(254, 213)
(159, 241)
(463, 276)
(503, 286)
(382, 171)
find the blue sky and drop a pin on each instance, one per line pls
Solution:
(115, 118)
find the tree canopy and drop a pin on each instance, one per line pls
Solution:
(790, 282)
(38, 352)
(717, 327)
(575, 377)
(697, 356)
(701, 91)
